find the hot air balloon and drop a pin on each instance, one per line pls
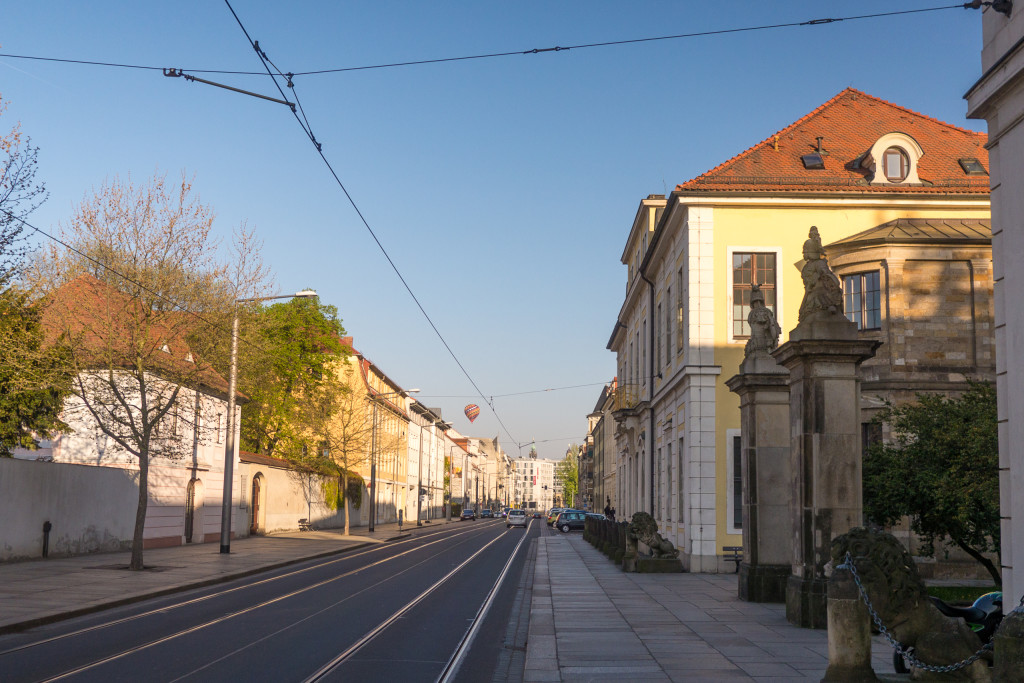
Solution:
(472, 410)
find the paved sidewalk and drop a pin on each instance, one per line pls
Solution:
(42, 591)
(591, 622)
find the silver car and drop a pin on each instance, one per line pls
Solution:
(515, 518)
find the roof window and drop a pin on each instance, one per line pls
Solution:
(972, 166)
(813, 161)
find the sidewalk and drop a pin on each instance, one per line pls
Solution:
(590, 621)
(42, 591)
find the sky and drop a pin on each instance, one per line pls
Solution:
(502, 188)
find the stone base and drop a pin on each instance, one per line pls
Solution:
(658, 565)
(807, 602)
(629, 563)
(763, 582)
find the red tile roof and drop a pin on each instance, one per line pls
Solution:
(850, 123)
(107, 327)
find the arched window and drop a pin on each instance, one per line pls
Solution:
(895, 164)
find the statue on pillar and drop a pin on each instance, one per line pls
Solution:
(764, 330)
(823, 295)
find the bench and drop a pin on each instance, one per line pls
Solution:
(305, 525)
(736, 555)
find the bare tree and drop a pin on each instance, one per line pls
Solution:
(20, 194)
(339, 420)
(142, 287)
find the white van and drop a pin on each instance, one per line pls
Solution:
(515, 518)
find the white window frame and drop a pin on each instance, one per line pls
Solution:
(731, 523)
(779, 312)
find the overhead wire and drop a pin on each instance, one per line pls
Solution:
(513, 53)
(319, 148)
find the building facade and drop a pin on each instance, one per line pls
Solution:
(998, 97)
(852, 165)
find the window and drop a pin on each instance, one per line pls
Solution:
(668, 481)
(657, 488)
(734, 478)
(895, 164)
(220, 427)
(749, 268)
(863, 300)
(668, 326)
(657, 340)
(680, 297)
(870, 434)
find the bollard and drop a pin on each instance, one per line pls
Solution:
(849, 631)
(46, 538)
(1009, 648)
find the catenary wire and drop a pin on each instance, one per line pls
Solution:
(369, 229)
(510, 53)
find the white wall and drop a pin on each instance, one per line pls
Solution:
(92, 509)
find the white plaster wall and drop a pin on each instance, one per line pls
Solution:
(92, 509)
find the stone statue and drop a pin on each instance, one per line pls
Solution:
(643, 528)
(764, 330)
(823, 295)
(890, 579)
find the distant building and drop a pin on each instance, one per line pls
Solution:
(534, 482)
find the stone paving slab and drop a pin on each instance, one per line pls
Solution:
(598, 623)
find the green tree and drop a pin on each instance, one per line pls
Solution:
(942, 470)
(33, 381)
(567, 471)
(293, 348)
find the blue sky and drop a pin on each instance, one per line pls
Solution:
(503, 188)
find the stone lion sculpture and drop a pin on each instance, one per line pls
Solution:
(643, 528)
(894, 587)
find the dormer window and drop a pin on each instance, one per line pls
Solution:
(896, 165)
(893, 159)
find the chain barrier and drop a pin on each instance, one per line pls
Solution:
(907, 653)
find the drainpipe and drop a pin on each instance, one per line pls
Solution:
(650, 388)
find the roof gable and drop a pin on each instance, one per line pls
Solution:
(849, 124)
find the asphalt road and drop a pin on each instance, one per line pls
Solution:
(398, 611)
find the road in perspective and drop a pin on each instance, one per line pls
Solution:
(434, 606)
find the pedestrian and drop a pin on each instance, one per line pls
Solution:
(607, 510)
(612, 515)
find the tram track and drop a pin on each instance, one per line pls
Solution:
(446, 537)
(316, 565)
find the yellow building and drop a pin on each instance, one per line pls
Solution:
(851, 165)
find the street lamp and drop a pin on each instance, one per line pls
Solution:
(229, 447)
(373, 451)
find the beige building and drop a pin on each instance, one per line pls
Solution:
(850, 166)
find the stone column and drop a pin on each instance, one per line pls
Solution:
(763, 388)
(825, 458)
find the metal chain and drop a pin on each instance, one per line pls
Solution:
(906, 653)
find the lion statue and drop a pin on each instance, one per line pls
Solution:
(643, 528)
(890, 579)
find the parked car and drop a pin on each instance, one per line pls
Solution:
(536, 515)
(552, 513)
(568, 520)
(487, 512)
(515, 518)
(467, 514)
(596, 515)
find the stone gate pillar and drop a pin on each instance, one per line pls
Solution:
(763, 388)
(822, 355)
